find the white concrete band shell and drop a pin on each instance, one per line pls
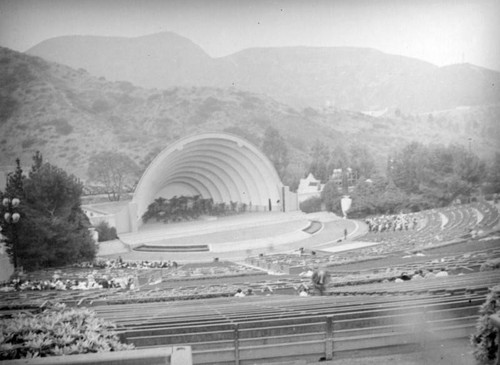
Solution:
(220, 166)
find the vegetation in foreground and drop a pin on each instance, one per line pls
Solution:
(484, 341)
(52, 229)
(57, 330)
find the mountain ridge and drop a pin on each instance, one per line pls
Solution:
(351, 78)
(69, 114)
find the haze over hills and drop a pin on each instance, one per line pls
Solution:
(69, 114)
(159, 60)
(357, 79)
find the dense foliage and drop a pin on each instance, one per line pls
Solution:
(323, 161)
(186, 208)
(115, 171)
(331, 196)
(275, 148)
(56, 331)
(52, 230)
(490, 265)
(493, 178)
(418, 177)
(484, 340)
(106, 233)
(439, 174)
(311, 205)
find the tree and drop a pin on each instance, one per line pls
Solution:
(14, 186)
(339, 159)
(114, 170)
(320, 155)
(311, 205)
(274, 147)
(439, 174)
(361, 161)
(106, 233)
(394, 200)
(52, 230)
(331, 196)
(493, 177)
(367, 196)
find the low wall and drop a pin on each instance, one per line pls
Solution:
(6, 268)
(177, 355)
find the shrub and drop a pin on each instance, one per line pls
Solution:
(62, 126)
(311, 205)
(106, 233)
(100, 106)
(28, 142)
(8, 105)
(484, 340)
(186, 208)
(490, 265)
(55, 331)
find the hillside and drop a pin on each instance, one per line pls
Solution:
(357, 79)
(69, 114)
(159, 60)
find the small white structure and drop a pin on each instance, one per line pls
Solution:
(309, 187)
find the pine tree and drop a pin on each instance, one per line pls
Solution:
(53, 230)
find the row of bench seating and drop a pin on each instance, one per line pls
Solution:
(258, 329)
(473, 282)
(453, 264)
(460, 221)
(354, 280)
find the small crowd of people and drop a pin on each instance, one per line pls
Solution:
(120, 264)
(58, 283)
(421, 275)
(394, 222)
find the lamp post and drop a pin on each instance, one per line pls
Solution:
(11, 217)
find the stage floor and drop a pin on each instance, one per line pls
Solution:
(237, 237)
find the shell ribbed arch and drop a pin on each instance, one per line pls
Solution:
(241, 184)
(220, 166)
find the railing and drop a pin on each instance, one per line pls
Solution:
(176, 355)
(309, 330)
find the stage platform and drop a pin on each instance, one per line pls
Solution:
(235, 237)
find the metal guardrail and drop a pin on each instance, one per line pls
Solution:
(176, 355)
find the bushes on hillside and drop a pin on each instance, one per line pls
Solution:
(62, 126)
(490, 265)
(331, 196)
(100, 106)
(311, 205)
(185, 208)
(56, 331)
(484, 340)
(106, 233)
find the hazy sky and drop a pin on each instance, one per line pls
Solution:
(439, 31)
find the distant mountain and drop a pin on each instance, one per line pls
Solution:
(69, 114)
(357, 79)
(159, 60)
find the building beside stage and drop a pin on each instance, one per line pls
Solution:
(310, 187)
(220, 166)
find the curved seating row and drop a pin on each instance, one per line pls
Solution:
(439, 226)
(254, 329)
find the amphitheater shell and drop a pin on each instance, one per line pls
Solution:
(220, 166)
